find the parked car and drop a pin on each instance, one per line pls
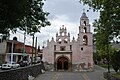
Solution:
(24, 63)
(9, 65)
(36, 60)
(0, 66)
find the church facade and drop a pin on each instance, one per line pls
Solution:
(66, 54)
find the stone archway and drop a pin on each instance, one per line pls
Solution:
(62, 63)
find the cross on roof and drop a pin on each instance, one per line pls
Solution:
(83, 10)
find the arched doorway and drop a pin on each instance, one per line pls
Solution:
(62, 63)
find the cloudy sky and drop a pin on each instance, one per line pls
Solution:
(62, 12)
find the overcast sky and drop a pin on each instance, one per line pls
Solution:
(62, 12)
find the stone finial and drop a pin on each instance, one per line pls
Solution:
(48, 40)
(73, 38)
(56, 34)
(62, 26)
(52, 38)
(68, 34)
(65, 28)
(83, 10)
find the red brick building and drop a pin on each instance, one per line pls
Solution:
(12, 49)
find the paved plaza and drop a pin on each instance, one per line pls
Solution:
(97, 74)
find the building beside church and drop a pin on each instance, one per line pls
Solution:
(66, 54)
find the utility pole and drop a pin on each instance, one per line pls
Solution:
(35, 48)
(24, 43)
(43, 44)
(12, 52)
(32, 48)
(24, 51)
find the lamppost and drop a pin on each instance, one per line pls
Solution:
(24, 43)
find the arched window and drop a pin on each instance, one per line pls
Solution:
(63, 34)
(59, 41)
(85, 40)
(85, 23)
(65, 40)
(84, 30)
(55, 47)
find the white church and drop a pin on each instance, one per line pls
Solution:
(66, 54)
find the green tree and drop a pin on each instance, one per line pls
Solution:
(22, 14)
(115, 60)
(101, 37)
(12, 13)
(35, 18)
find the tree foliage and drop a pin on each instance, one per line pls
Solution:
(22, 14)
(116, 60)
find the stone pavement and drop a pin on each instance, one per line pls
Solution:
(97, 74)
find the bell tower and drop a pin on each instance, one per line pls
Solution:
(84, 36)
